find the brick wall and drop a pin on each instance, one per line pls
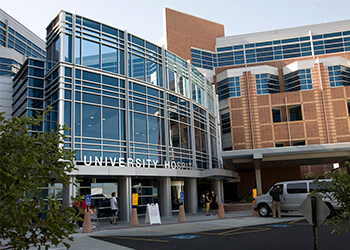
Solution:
(312, 128)
(184, 31)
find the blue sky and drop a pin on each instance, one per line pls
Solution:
(144, 18)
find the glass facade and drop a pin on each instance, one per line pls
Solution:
(339, 75)
(298, 80)
(9, 67)
(266, 84)
(125, 97)
(295, 47)
(18, 42)
(28, 89)
(229, 87)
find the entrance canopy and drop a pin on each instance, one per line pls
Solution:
(288, 156)
(154, 172)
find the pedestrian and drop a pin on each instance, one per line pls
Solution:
(214, 203)
(76, 206)
(83, 207)
(114, 208)
(207, 203)
(276, 201)
(202, 200)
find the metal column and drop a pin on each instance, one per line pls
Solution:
(191, 195)
(164, 194)
(124, 198)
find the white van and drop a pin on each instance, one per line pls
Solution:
(293, 193)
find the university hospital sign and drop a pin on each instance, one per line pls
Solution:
(134, 163)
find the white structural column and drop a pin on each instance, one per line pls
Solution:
(164, 196)
(124, 198)
(191, 195)
(258, 176)
(258, 181)
(68, 192)
(217, 187)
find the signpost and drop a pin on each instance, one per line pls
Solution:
(135, 199)
(152, 214)
(88, 200)
(315, 212)
(182, 197)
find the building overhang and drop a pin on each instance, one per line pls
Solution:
(93, 171)
(301, 155)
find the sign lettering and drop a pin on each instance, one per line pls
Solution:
(131, 163)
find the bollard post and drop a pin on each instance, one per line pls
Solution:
(134, 220)
(87, 226)
(221, 211)
(182, 216)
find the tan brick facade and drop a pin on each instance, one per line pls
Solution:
(312, 128)
(184, 31)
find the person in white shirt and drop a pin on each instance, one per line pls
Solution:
(114, 208)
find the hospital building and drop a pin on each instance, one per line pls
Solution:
(196, 111)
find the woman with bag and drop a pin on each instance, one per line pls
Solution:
(214, 203)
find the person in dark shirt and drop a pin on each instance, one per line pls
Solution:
(276, 202)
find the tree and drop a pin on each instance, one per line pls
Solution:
(30, 160)
(338, 188)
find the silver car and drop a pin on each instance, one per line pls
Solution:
(293, 193)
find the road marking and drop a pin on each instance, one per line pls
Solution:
(295, 221)
(240, 230)
(249, 231)
(130, 238)
(184, 228)
(233, 230)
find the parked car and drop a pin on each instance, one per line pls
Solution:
(293, 193)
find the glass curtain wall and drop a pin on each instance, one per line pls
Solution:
(114, 100)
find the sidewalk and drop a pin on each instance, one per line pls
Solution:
(169, 226)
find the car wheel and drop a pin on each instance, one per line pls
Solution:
(264, 210)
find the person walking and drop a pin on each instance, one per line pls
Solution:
(114, 208)
(202, 200)
(276, 201)
(207, 203)
(214, 203)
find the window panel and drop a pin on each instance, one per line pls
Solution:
(297, 188)
(91, 54)
(140, 130)
(68, 48)
(137, 67)
(109, 59)
(151, 72)
(91, 121)
(110, 123)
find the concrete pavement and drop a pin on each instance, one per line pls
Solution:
(169, 226)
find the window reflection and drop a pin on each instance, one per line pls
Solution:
(77, 50)
(140, 127)
(109, 59)
(110, 121)
(154, 127)
(91, 54)
(91, 121)
(184, 143)
(138, 67)
(68, 49)
(174, 134)
(171, 80)
(151, 72)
